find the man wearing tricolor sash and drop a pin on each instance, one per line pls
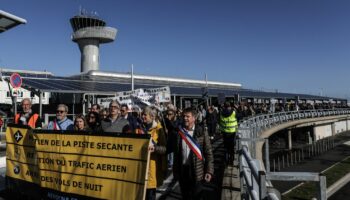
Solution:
(193, 157)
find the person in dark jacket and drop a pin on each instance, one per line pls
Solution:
(115, 123)
(93, 121)
(133, 122)
(171, 122)
(191, 165)
(211, 120)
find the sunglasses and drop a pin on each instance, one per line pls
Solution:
(92, 117)
(60, 111)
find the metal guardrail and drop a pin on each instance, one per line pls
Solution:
(252, 127)
(256, 181)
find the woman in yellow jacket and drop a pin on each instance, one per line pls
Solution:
(157, 147)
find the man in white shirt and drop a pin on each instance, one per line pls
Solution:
(193, 156)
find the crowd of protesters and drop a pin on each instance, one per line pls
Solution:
(172, 131)
(248, 109)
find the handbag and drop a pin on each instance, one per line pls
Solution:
(205, 190)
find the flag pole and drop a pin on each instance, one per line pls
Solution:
(132, 77)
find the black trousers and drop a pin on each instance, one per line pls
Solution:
(229, 144)
(211, 129)
(188, 184)
(151, 194)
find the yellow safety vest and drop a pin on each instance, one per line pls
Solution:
(228, 124)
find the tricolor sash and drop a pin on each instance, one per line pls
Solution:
(191, 143)
(56, 125)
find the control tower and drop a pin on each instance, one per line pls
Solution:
(89, 33)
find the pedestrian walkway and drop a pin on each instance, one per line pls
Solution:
(231, 184)
(225, 184)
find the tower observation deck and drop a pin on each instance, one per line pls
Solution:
(89, 31)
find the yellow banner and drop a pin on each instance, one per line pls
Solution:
(107, 167)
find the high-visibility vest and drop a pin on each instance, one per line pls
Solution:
(228, 124)
(31, 122)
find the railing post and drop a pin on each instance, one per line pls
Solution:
(279, 163)
(322, 192)
(302, 154)
(46, 118)
(267, 155)
(309, 151)
(262, 185)
(241, 176)
(333, 129)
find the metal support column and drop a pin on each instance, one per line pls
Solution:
(333, 129)
(289, 139)
(73, 110)
(181, 98)
(83, 104)
(40, 104)
(309, 137)
(314, 134)
(174, 101)
(15, 104)
(267, 155)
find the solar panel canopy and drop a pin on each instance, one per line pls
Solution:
(74, 85)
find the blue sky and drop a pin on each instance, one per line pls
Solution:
(299, 46)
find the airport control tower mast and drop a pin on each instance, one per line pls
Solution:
(89, 32)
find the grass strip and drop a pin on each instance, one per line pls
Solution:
(310, 189)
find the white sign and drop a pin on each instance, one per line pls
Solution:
(187, 104)
(221, 98)
(139, 98)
